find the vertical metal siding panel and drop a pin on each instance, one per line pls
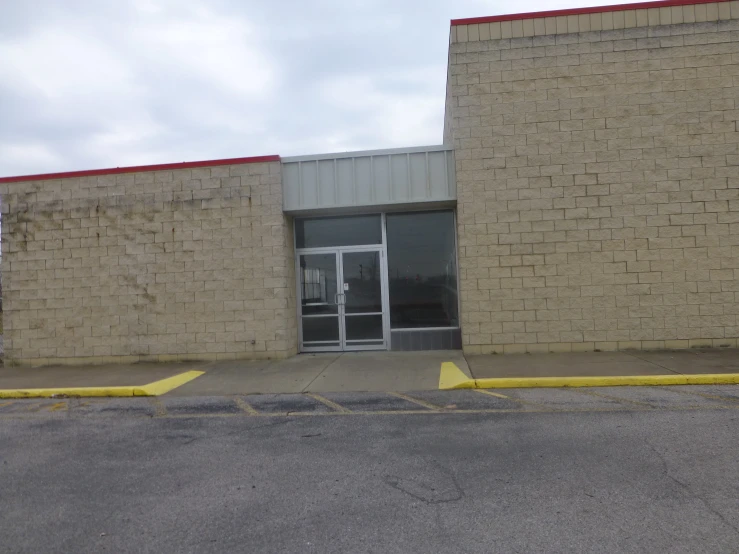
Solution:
(427, 340)
(446, 340)
(393, 345)
(438, 176)
(381, 179)
(309, 185)
(418, 176)
(291, 186)
(416, 341)
(345, 182)
(421, 339)
(336, 182)
(369, 180)
(327, 182)
(300, 185)
(399, 178)
(407, 162)
(457, 342)
(451, 173)
(363, 179)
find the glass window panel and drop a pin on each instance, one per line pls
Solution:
(422, 270)
(318, 284)
(362, 282)
(338, 231)
(321, 329)
(363, 327)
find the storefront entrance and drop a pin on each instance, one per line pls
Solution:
(343, 299)
(377, 282)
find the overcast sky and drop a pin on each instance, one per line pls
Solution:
(101, 83)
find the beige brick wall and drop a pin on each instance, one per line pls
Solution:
(598, 182)
(166, 265)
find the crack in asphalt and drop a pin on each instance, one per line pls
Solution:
(687, 488)
(426, 492)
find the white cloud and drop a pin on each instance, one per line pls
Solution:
(94, 84)
(400, 109)
(28, 157)
(215, 50)
(57, 64)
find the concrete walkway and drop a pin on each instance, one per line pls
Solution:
(112, 375)
(599, 364)
(340, 372)
(369, 371)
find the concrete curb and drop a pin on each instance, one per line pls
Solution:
(156, 388)
(451, 377)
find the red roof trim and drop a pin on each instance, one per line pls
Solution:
(139, 168)
(582, 11)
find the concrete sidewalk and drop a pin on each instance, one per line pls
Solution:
(339, 372)
(602, 364)
(368, 371)
(110, 375)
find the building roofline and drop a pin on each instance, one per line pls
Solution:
(367, 153)
(139, 168)
(583, 11)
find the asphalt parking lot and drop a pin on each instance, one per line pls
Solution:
(536, 470)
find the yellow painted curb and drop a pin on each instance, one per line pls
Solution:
(156, 388)
(451, 377)
(608, 381)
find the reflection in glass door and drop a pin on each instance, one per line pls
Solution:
(319, 303)
(362, 300)
(342, 300)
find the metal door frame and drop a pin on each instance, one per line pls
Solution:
(384, 297)
(317, 346)
(338, 251)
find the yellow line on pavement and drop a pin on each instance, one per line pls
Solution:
(245, 406)
(536, 405)
(423, 403)
(693, 393)
(612, 397)
(160, 410)
(496, 394)
(156, 388)
(329, 403)
(544, 410)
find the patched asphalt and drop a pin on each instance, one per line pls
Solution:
(207, 405)
(367, 403)
(285, 404)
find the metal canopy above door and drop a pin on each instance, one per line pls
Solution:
(420, 177)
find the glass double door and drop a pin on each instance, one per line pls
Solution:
(343, 299)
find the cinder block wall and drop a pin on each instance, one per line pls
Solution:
(163, 265)
(597, 163)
